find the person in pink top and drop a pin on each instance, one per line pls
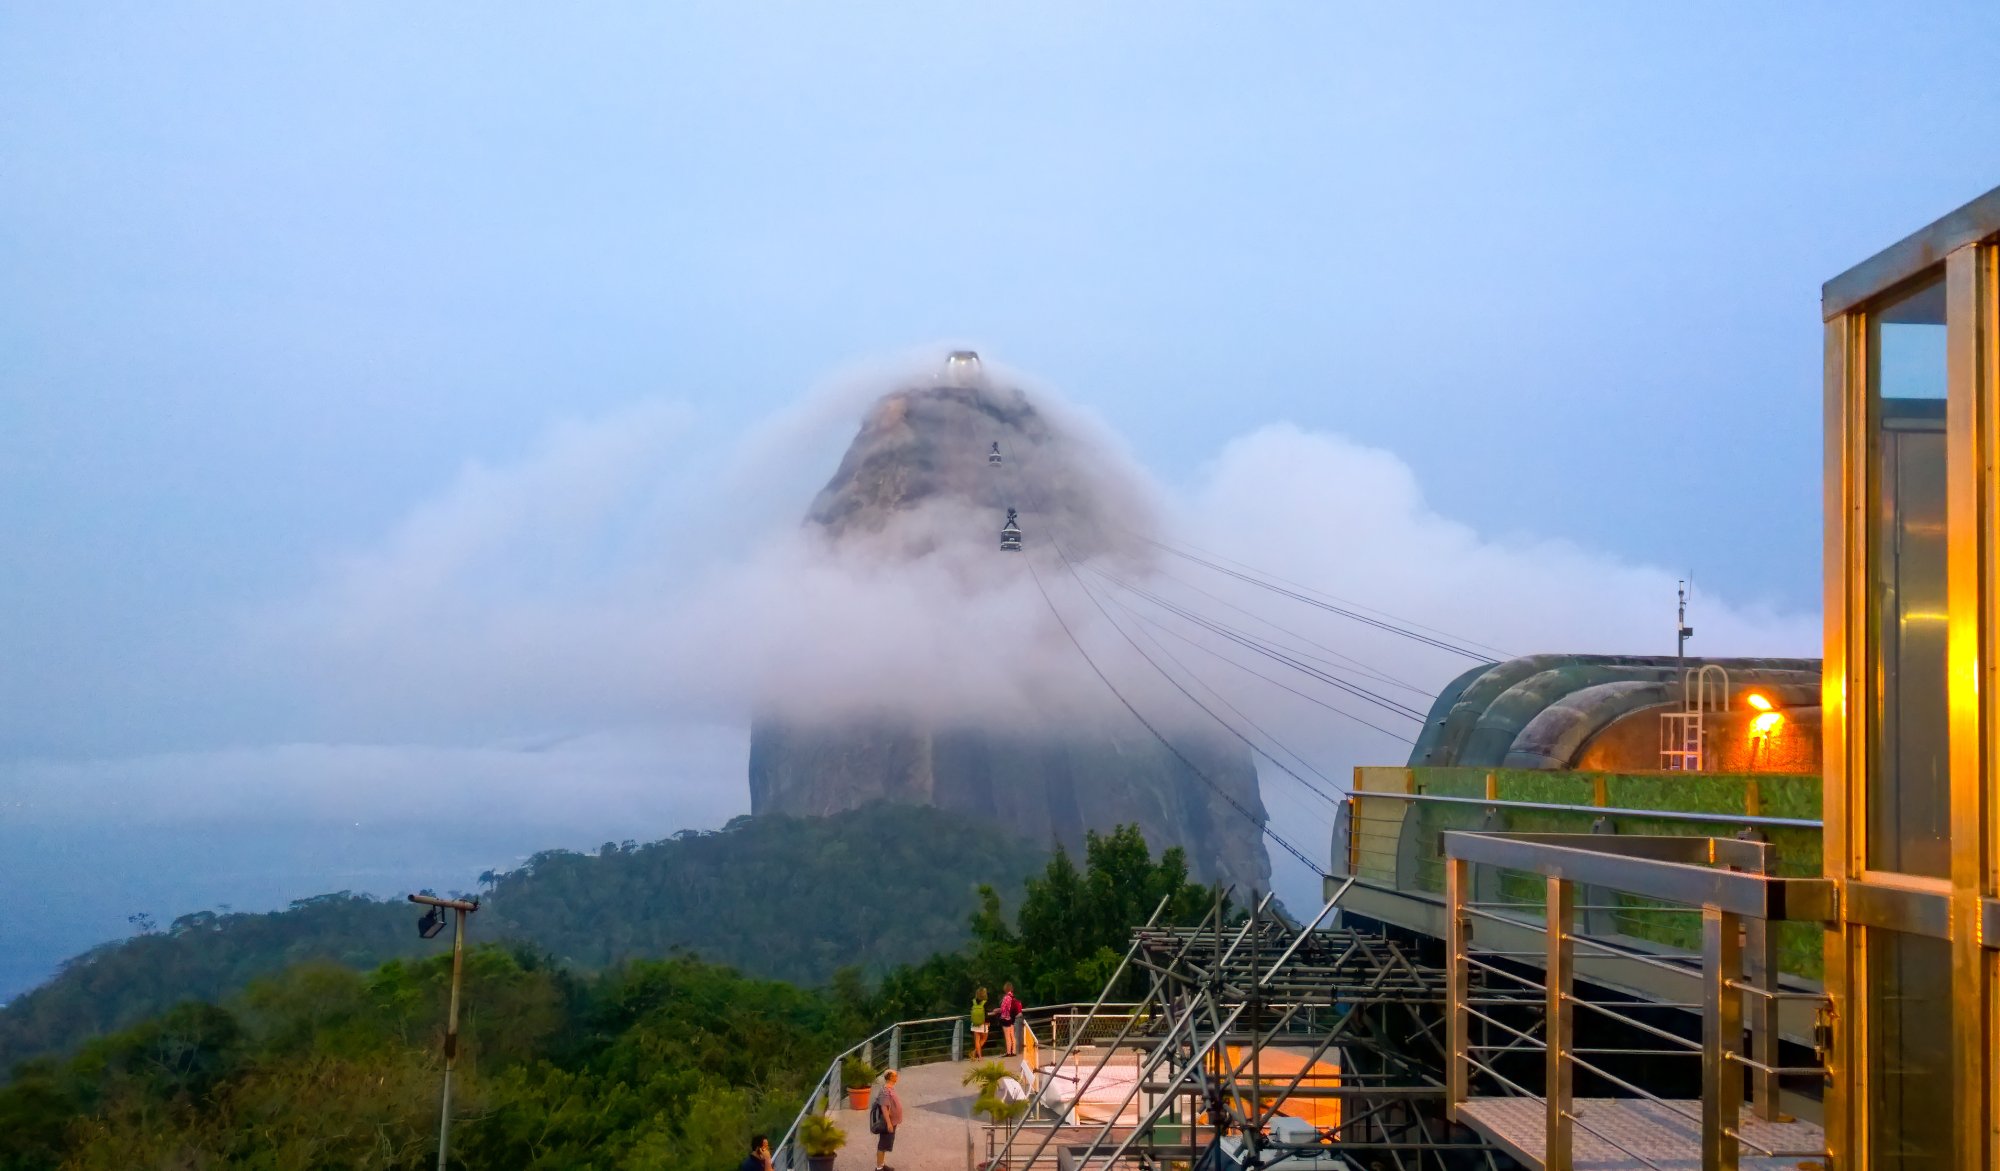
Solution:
(1010, 1018)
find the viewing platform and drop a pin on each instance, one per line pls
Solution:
(938, 1128)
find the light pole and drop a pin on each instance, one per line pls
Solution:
(428, 927)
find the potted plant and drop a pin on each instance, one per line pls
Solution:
(998, 1111)
(986, 1075)
(856, 1076)
(821, 1137)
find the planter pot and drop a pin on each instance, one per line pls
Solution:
(857, 1099)
(819, 1163)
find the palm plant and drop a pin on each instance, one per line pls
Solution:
(988, 1076)
(821, 1136)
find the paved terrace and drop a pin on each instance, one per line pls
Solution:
(937, 1123)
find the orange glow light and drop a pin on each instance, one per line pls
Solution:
(1758, 700)
(1765, 724)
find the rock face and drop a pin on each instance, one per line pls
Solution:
(1060, 755)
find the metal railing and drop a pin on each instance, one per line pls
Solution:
(922, 1042)
(905, 1043)
(1499, 1014)
(1393, 836)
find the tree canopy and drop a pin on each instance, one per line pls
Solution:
(787, 898)
(640, 1063)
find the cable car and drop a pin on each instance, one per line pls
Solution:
(963, 368)
(1010, 537)
(993, 457)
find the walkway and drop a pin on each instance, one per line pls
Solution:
(937, 1120)
(1631, 1134)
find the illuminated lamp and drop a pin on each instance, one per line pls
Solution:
(1759, 700)
(1766, 723)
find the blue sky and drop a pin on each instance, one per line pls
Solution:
(273, 277)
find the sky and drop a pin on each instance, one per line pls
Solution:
(368, 375)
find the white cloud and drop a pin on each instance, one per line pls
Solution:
(562, 594)
(623, 576)
(625, 595)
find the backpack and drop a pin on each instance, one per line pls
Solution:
(878, 1120)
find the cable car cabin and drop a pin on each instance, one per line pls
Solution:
(963, 368)
(993, 457)
(1010, 536)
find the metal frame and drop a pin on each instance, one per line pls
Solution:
(1730, 880)
(1222, 995)
(1961, 245)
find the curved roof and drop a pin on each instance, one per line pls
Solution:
(1539, 711)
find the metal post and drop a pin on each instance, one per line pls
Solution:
(1560, 1025)
(451, 1035)
(460, 909)
(1253, 1138)
(1721, 1037)
(1458, 931)
(958, 1041)
(1761, 972)
(895, 1046)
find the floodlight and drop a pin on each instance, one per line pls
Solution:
(431, 923)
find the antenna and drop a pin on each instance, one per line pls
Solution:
(1682, 631)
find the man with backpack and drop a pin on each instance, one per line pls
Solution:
(885, 1116)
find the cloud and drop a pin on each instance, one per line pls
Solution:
(618, 576)
(569, 647)
(622, 573)
(1351, 521)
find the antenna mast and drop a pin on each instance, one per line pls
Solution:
(1682, 631)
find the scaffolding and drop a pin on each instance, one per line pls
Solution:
(1254, 1043)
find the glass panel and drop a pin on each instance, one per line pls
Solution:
(1910, 1092)
(1908, 800)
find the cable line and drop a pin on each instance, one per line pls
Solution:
(1411, 632)
(1396, 707)
(1262, 827)
(1239, 714)
(1247, 742)
(1309, 698)
(1376, 610)
(1370, 671)
(1262, 824)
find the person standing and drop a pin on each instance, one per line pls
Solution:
(760, 1155)
(887, 1114)
(979, 1025)
(1010, 1015)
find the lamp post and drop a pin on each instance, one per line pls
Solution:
(428, 927)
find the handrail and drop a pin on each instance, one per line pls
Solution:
(1728, 882)
(1603, 810)
(828, 1084)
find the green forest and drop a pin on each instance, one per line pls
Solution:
(785, 898)
(657, 1062)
